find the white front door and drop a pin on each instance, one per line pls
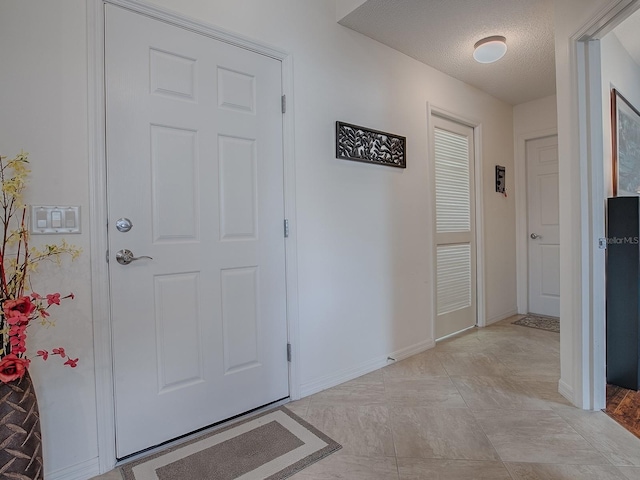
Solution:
(195, 162)
(543, 221)
(455, 245)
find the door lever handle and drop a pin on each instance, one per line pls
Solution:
(125, 257)
(535, 236)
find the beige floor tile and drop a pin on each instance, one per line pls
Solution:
(112, 475)
(461, 364)
(422, 391)
(618, 445)
(630, 473)
(299, 407)
(542, 388)
(521, 339)
(522, 423)
(361, 430)
(433, 469)
(528, 364)
(426, 363)
(453, 433)
(485, 393)
(537, 437)
(566, 448)
(355, 392)
(536, 471)
(349, 467)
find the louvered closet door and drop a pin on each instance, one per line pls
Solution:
(455, 227)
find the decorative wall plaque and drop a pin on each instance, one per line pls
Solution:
(500, 179)
(365, 145)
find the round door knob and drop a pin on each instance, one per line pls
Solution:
(124, 225)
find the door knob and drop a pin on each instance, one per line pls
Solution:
(124, 225)
(125, 257)
(535, 235)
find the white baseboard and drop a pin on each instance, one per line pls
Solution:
(80, 471)
(413, 350)
(498, 318)
(566, 390)
(356, 371)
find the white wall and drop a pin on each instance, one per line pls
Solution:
(534, 119)
(571, 16)
(619, 71)
(363, 230)
(43, 110)
(535, 116)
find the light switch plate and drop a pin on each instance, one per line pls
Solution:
(50, 219)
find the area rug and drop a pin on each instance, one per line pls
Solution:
(623, 405)
(271, 446)
(542, 322)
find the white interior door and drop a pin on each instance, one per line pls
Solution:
(543, 220)
(195, 162)
(455, 244)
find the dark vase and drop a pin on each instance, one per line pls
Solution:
(20, 439)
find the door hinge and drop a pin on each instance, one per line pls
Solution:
(284, 103)
(286, 228)
(602, 243)
(107, 256)
(288, 352)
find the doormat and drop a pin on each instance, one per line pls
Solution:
(271, 446)
(542, 322)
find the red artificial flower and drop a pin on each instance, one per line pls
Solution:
(18, 320)
(35, 296)
(20, 307)
(43, 313)
(53, 298)
(44, 354)
(59, 351)
(71, 363)
(12, 368)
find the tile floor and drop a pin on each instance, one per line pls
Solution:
(482, 405)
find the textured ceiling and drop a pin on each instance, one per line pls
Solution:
(441, 33)
(628, 32)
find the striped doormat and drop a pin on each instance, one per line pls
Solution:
(271, 446)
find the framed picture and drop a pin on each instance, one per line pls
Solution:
(625, 135)
(362, 144)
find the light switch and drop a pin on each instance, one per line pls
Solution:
(41, 218)
(54, 219)
(69, 219)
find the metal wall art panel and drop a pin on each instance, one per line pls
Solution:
(365, 145)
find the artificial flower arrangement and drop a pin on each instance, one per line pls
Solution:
(17, 261)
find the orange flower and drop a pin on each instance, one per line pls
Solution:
(12, 368)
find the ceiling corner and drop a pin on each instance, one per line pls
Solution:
(345, 7)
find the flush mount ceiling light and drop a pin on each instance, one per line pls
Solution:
(490, 49)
